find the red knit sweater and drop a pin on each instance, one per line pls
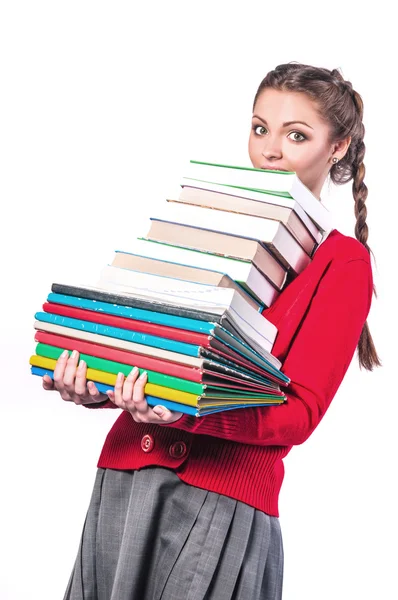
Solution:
(240, 453)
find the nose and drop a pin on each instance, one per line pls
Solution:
(272, 149)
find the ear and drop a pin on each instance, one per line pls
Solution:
(339, 149)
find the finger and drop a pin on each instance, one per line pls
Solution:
(118, 390)
(95, 395)
(128, 386)
(165, 415)
(111, 395)
(70, 372)
(59, 370)
(47, 382)
(59, 373)
(140, 403)
(80, 380)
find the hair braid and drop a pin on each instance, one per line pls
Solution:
(360, 193)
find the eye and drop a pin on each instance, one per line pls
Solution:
(259, 129)
(297, 136)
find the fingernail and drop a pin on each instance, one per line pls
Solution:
(74, 354)
(133, 371)
(120, 376)
(82, 364)
(143, 375)
(64, 354)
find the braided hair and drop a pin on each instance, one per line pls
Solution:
(342, 108)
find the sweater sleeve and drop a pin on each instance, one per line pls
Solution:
(316, 364)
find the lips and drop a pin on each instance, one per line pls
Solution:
(269, 168)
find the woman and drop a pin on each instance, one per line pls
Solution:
(185, 507)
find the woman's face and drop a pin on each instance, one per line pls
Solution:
(288, 134)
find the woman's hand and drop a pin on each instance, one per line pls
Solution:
(129, 395)
(70, 381)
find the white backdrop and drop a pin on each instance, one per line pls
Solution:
(102, 104)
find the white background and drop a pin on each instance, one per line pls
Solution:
(101, 106)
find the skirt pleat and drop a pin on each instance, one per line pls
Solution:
(150, 536)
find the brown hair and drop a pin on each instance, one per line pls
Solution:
(342, 108)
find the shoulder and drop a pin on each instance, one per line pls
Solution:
(341, 248)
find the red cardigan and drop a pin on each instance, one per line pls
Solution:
(240, 453)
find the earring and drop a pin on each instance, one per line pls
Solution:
(335, 160)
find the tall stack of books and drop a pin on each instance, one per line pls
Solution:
(184, 303)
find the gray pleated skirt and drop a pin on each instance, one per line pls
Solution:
(150, 536)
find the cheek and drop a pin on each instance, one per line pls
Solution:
(308, 159)
(255, 149)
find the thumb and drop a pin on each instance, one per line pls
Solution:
(48, 383)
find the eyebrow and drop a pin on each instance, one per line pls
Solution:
(286, 124)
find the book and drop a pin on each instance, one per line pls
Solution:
(222, 245)
(285, 183)
(272, 234)
(142, 282)
(160, 258)
(287, 211)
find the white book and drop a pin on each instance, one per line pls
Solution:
(282, 182)
(252, 325)
(272, 234)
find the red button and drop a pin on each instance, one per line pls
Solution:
(147, 443)
(177, 450)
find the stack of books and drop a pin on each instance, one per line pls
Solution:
(185, 302)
